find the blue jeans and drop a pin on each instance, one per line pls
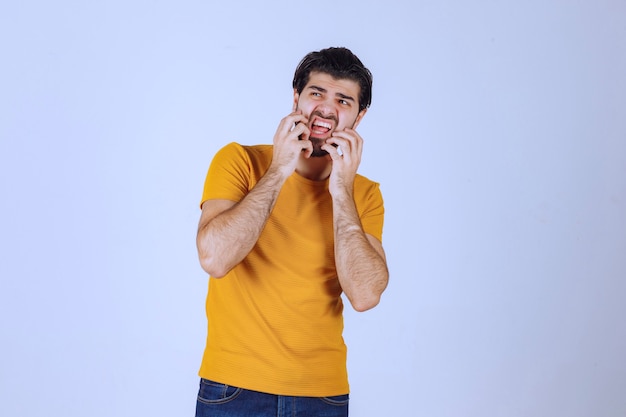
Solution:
(219, 400)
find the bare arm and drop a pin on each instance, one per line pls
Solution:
(228, 230)
(360, 259)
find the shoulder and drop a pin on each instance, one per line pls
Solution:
(365, 186)
(246, 162)
(249, 154)
(248, 151)
(238, 148)
(258, 152)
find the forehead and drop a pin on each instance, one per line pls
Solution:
(337, 85)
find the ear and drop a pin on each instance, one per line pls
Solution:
(296, 97)
(359, 117)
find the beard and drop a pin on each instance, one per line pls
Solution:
(318, 152)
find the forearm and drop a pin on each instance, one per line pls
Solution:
(361, 269)
(226, 239)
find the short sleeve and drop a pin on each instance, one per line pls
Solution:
(228, 176)
(372, 211)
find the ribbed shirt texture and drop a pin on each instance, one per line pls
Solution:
(275, 321)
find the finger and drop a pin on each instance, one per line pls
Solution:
(294, 118)
(298, 117)
(348, 134)
(338, 142)
(333, 152)
(307, 148)
(351, 137)
(301, 131)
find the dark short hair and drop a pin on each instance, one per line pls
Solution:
(340, 63)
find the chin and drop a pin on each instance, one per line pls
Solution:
(318, 153)
(317, 147)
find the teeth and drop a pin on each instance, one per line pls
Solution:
(323, 124)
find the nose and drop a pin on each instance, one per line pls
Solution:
(327, 109)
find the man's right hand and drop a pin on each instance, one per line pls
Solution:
(228, 231)
(290, 141)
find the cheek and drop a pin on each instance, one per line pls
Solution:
(348, 120)
(305, 107)
(305, 104)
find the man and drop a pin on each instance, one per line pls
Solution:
(285, 228)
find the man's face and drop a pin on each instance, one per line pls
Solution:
(330, 105)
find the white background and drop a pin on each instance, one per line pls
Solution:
(497, 132)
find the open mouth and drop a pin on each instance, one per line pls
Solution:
(321, 127)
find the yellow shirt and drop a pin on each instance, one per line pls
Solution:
(275, 320)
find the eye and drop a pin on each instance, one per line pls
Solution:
(344, 102)
(316, 94)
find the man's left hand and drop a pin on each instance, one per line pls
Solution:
(346, 159)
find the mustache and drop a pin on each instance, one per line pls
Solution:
(324, 116)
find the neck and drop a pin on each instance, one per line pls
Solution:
(315, 169)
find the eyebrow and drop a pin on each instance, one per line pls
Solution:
(323, 90)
